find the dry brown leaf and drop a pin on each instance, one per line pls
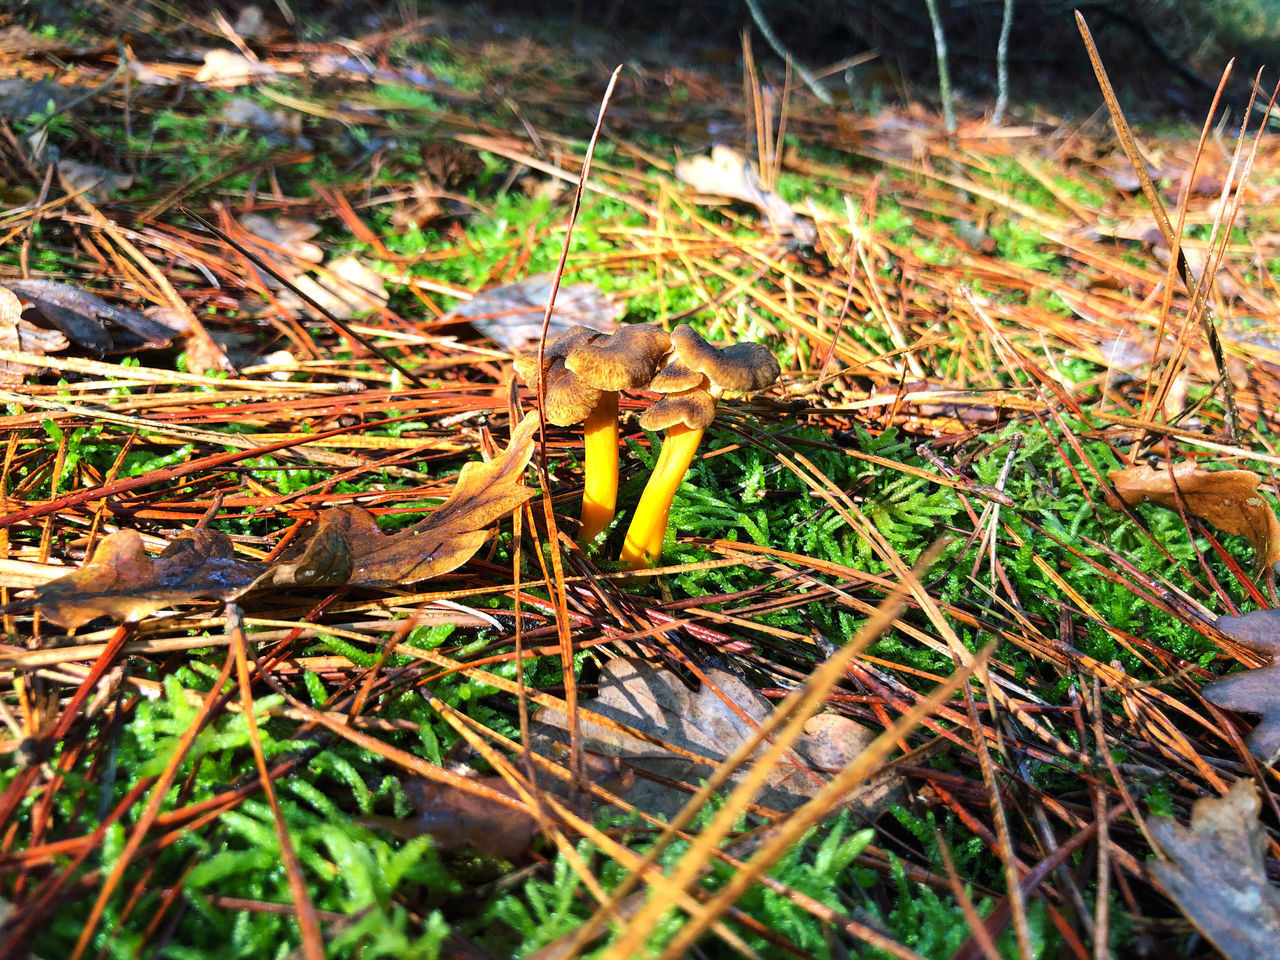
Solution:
(655, 702)
(87, 320)
(904, 134)
(511, 315)
(1227, 499)
(18, 334)
(344, 286)
(1253, 691)
(122, 582)
(454, 531)
(727, 173)
(1216, 872)
(226, 68)
(287, 233)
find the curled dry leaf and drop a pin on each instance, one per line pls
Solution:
(276, 126)
(452, 534)
(1227, 499)
(282, 234)
(226, 68)
(122, 582)
(727, 173)
(100, 183)
(1215, 870)
(17, 334)
(87, 320)
(654, 702)
(1253, 691)
(345, 286)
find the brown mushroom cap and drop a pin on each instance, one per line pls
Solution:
(740, 367)
(694, 408)
(572, 338)
(624, 360)
(557, 348)
(567, 399)
(675, 377)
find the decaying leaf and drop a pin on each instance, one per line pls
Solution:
(226, 68)
(454, 531)
(20, 97)
(1253, 691)
(87, 320)
(282, 234)
(511, 316)
(459, 819)
(347, 286)
(905, 134)
(275, 126)
(1216, 872)
(122, 582)
(18, 334)
(1227, 499)
(100, 183)
(727, 173)
(655, 702)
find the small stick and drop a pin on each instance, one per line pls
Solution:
(810, 81)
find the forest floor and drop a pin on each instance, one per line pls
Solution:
(939, 616)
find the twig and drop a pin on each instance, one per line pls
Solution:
(1002, 64)
(810, 81)
(944, 70)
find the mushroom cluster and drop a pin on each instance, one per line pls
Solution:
(583, 371)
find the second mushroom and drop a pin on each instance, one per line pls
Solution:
(692, 382)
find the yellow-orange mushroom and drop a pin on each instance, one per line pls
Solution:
(692, 384)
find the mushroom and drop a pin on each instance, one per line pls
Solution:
(691, 384)
(584, 370)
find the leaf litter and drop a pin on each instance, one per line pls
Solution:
(343, 548)
(1227, 499)
(1258, 690)
(1216, 871)
(679, 735)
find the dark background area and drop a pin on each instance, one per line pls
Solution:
(1167, 55)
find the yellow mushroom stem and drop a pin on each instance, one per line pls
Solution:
(600, 442)
(648, 530)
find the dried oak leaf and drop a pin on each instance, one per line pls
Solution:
(122, 582)
(654, 702)
(453, 532)
(458, 818)
(1253, 691)
(1227, 499)
(344, 287)
(1216, 872)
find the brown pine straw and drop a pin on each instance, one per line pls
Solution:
(948, 350)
